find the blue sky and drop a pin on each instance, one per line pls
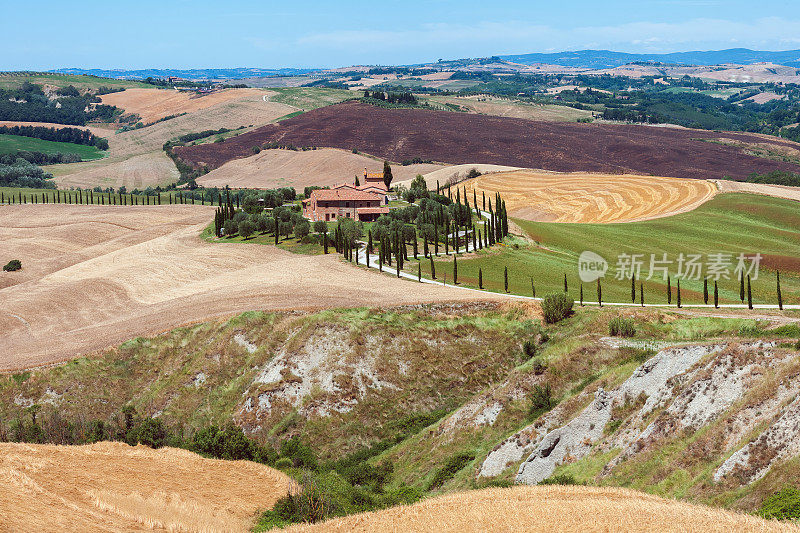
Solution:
(238, 33)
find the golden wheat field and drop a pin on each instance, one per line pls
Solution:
(591, 198)
(96, 276)
(549, 508)
(110, 486)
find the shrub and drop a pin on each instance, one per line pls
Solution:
(150, 432)
(621, 327)
(529, 348)
(539, 367)
(783, 505)
(560, 479)
(301, 455)
(302, 228)
(541, 401)
(283, 463)
(230, 227)
(450, 469)
(264, 223)
(556, 307)
(13, 265)
(303, 503)
(320, 226)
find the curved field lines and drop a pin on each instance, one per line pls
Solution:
(592, 198)
(110, 486)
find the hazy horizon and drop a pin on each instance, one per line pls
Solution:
(189, 35)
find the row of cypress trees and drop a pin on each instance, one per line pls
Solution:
(88, 197)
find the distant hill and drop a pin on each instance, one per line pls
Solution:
(189, 74)
(609, 59)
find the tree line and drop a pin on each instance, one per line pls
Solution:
(65, 135)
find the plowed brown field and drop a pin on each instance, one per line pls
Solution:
(115, 487)
(549, 508)
(463, 138)
(591, 198)
(288, 168)
(96, 276)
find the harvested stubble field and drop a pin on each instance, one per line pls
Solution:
(95, 276)
(136, 158)
(289, 168)
(591, 198)
(505, 107)
(115, 487)
(549, 508)
(462, 138)
(155, 104)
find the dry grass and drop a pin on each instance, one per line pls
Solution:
(287, 168)
(136, 159)
(551, 508)
(504, 107)
(116, 487)
(95, 276)
(591, 198)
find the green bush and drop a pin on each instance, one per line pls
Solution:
(621, 327)
(556, 307)
(560, 479)
(783, 505)
(284, 463)
(450, 469)
(302, 455)
(13, 265)
(529, 348)
(541, 401)
(230, 227)
(302, 228)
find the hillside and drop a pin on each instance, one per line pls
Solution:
(115, 487)
(573, 509)
(458, 138)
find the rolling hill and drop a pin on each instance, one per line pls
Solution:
(459, 138)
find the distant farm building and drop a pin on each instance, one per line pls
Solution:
(364, 202)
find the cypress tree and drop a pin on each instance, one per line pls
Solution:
(741, 286)
(416, 254)
(633, 288)
(278, 232)
(780, 296)
(446, 239)
(455, 271)
(475, 201)
(749, 294)
(641, 293)
(435, 237)
(480, 278)
(581, 294)
(325, 242)
(716, 295)
(419, 272)
(669, 291)
(474, 239)
(705, 291)
(483, 193)
(533, 288)
(433, 269)
(679, 292)
(565, 283)
(505, 278)
(425, 251)
(599, 293)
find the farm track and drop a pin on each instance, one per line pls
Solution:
(462, 138)
(86, 285)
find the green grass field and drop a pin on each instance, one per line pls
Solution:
(308, 98)
(730, 223)
(12, 143)
(12, 80)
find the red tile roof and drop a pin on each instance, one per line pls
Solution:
(373, 210)
(344, 193)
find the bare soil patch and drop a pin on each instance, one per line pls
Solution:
(288, 168)
(459, 138)
(591, 198)
(97, 276)
(115, 487)
(549, 508)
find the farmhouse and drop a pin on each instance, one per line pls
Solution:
(344, 201)
(360, 202)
